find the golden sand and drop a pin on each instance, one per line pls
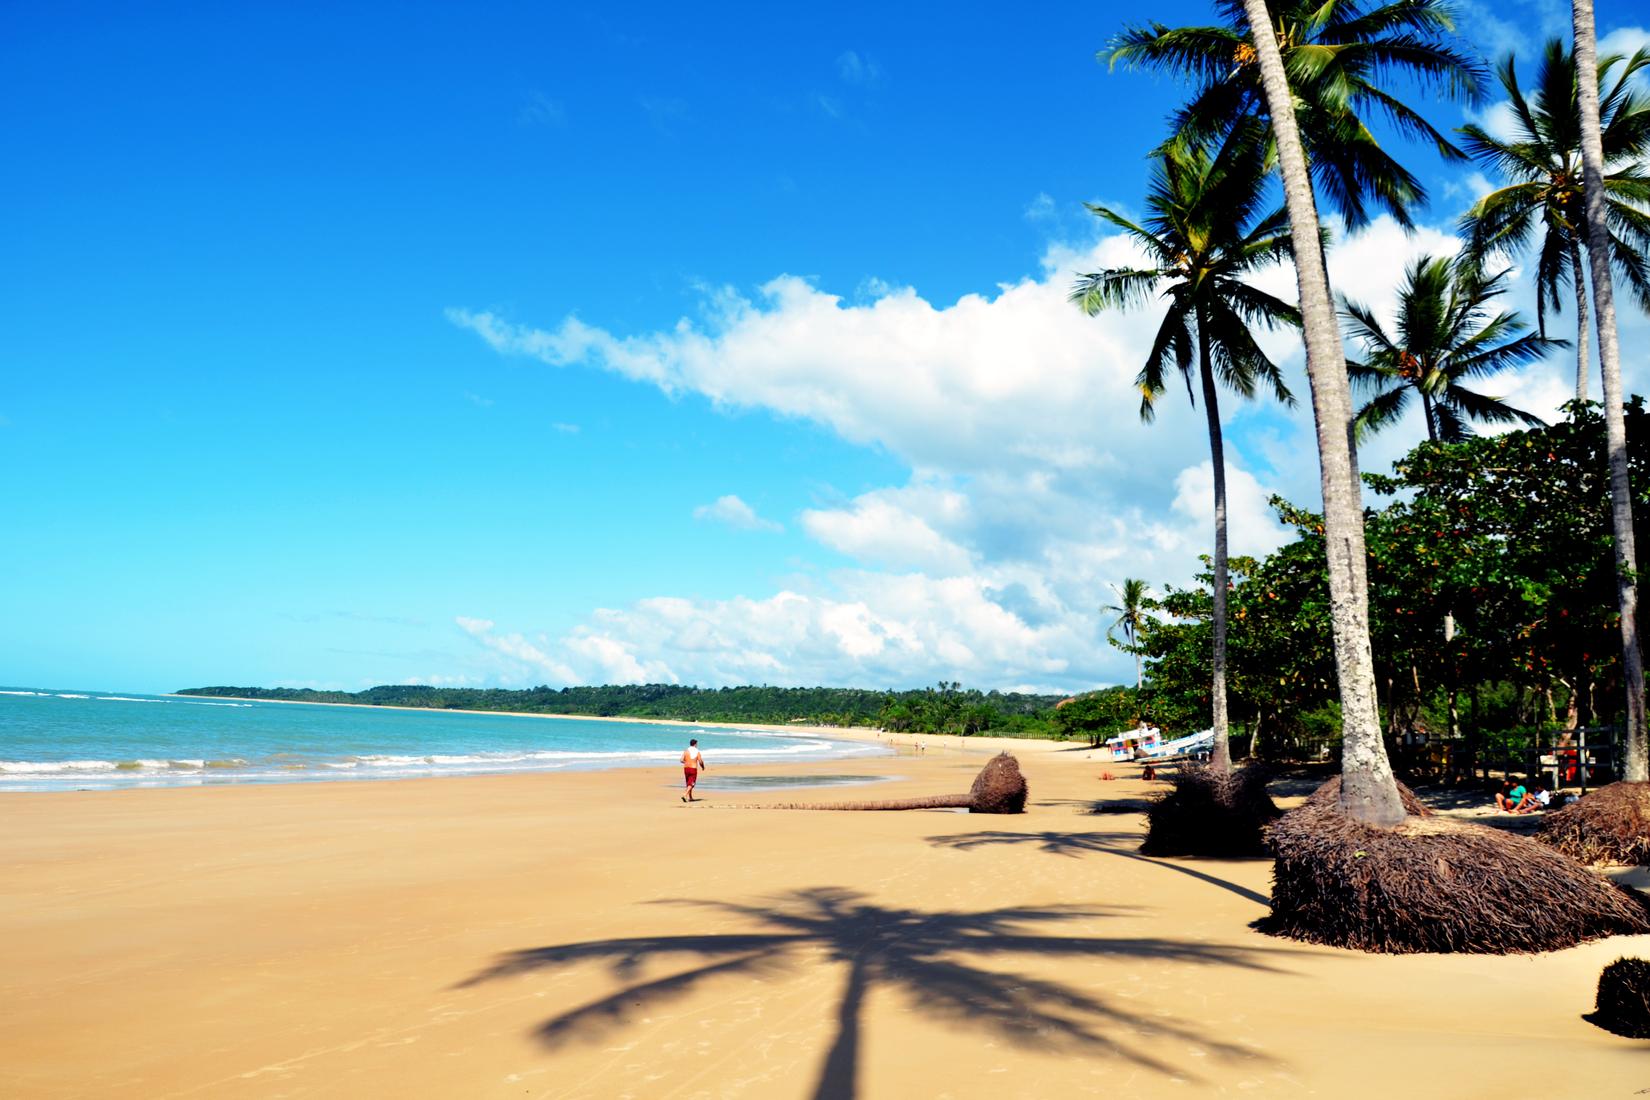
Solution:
(587, 935)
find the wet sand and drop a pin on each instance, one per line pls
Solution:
(587, 935)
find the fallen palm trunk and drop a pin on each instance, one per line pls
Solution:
(998, 789)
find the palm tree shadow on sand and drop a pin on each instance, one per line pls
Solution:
(1074, 844)
(924, 954)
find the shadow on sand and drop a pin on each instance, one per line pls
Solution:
(929, 956)
(1076, 844)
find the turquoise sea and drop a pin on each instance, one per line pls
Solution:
(61, 739)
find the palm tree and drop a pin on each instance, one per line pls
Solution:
(1337, 49)
(1542, 162)
(1368, 790)
(1443, 336)
(1131, 617)
(1637, 765)
(1335, 54)
(1205, 233)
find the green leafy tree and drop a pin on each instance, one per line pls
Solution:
(1096, 715)
(1444, 335)
(1207, 230)
(1543, 202)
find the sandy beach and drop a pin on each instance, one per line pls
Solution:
(588, 935)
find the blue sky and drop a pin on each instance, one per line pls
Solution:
(505, 344)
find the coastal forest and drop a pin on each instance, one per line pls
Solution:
(945, 708)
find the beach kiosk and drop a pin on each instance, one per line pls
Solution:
(1126, 746)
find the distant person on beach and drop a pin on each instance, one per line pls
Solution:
(693, 762)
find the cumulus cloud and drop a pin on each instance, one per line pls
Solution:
(1033, 484)
(1625, 41)
(735, 513)
(876, 629)
(858, 69)
(892, 527)
(1041, 208)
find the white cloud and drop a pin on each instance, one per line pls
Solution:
(1041, 208)
(879, 629)
(440, 680)
(890, 527)
(936, 385)
(1033, 485)
(1496, 27)
(858, 69)
(1625, 41)
(1251, 525)
(735, 513)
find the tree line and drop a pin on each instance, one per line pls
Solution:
(945, 708)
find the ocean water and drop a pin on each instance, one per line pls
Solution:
(74, 740)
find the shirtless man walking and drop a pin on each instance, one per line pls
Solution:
(693, 762)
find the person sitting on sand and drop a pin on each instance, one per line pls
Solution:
(693, 761)
(1516, 798)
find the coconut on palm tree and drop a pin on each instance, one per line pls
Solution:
(1207, 230)
(1442, 337)
(1543, 201)
(1337, 56)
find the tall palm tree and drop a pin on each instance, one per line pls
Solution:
(1637, 764)
(1131, 617)
(1368, 790)
(1443, 336)
(1336, 54)
(1206, 231)
(1542, 162)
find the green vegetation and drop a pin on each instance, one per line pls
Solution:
(946, 708)
(1491, 586)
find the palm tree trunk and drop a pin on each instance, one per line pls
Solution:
(1432, 423)
(1220, 757)
(1637, 765)
(1368, 791)
(1582, 320)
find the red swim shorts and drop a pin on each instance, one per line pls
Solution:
(690, 774)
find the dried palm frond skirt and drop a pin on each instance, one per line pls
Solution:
(1433, 884)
